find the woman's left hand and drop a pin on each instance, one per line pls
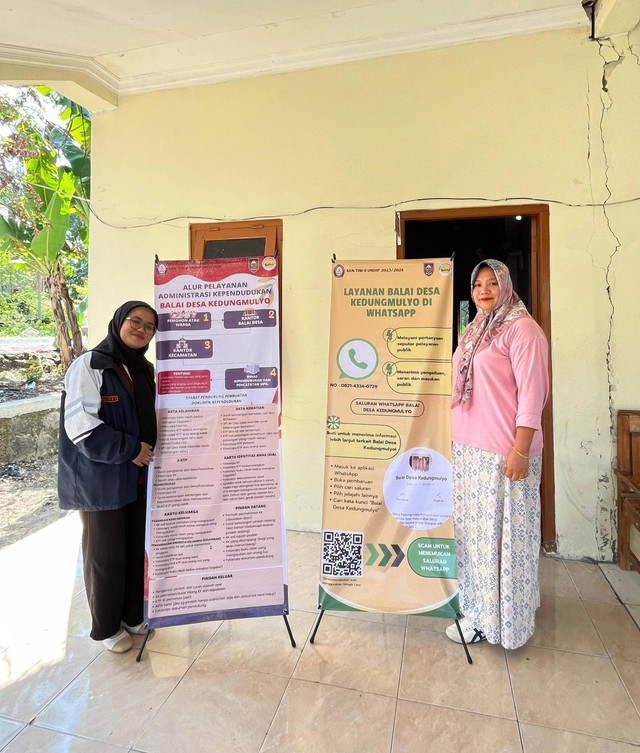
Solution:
(516, 467)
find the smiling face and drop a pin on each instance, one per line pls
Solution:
(486, 291)
(137, 337)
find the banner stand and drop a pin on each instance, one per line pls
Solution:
(284, 617)
(209, 409)
(388, 543)
(291, 638)
(144, 643)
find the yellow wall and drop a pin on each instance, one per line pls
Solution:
(518, 117)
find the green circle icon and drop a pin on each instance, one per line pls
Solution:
(357, 359)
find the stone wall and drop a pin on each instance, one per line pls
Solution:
(29, 429)
(23, 359)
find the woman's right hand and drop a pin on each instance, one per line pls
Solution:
(145, 456)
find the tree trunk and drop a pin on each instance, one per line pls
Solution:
(61, 323)
(72, 319)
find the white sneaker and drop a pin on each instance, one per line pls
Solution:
(471, 635)
(118, 643)
(140, 629)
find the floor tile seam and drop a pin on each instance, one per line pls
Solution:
(575, 585)
(573, 651)
(582, 732)
(343, 687)
(67, 685)
(577, 599)
(162, 705)
(275, 713)
(242, 668)
(628, 611)
(560, 560)
(606, 648)
(626, 690)
(5, 718)
(513, 698)
(458, 708)
(158, 652)
(428, 630)
(618, 603)
(431, 630)
(13, 737)
(618, 596)
(608, 658)
(395, 706)
(62, 731)
(306, 643)
(211, 637)
(75, 735)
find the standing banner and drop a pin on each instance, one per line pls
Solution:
(215, 540)
(387, 539)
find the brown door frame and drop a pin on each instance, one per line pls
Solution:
(270, 230)
(540, 310)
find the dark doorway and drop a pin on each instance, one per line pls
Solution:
(507, 239)
(517, 236)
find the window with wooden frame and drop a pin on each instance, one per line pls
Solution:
(225, 240)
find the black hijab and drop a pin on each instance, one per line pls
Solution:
(144, 387)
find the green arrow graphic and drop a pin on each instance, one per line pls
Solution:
(387, 555)
(374, 554)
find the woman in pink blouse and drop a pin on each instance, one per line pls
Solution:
(501, 385)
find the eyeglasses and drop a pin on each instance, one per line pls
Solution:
(136, 323)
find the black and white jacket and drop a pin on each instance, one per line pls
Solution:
(98, 436)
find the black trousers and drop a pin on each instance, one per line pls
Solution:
(113, 553)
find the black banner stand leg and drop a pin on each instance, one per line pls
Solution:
(286, 622)
(144, 643)
(464, 643)
(316, 626)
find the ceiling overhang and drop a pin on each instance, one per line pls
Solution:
(385, 27)
(615, 17)
(77, 77)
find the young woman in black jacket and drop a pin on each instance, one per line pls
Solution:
(107, 434)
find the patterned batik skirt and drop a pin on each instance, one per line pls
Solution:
(497, 530)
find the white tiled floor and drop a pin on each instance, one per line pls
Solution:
(369, 684)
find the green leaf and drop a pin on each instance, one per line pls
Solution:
(48, 243)
(42, 173)
(66, 188)
(80, 129)
(6, 235)
(77, 157)
(13, 231)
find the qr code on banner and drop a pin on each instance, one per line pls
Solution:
(342, 554)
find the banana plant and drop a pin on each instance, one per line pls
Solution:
(44, 180)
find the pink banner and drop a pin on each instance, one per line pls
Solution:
(215, 525)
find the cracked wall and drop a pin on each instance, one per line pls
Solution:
(550, 116)
(614, 180)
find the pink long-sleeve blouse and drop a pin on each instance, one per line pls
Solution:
(510, 389)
